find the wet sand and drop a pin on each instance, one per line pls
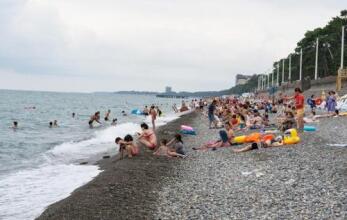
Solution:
(303, 181)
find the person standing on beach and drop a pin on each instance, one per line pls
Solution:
(331, 103)
(153, 114)
(299, 108)
(145, 111)
(211, 110)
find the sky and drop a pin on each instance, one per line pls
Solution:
(113, 45)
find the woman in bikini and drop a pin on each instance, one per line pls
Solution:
(226, 138)
(148, 137)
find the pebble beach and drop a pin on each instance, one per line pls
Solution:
(303, 181)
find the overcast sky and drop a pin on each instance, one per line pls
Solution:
(110, 45)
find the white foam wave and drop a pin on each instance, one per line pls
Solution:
(25, 194)
(102, 141)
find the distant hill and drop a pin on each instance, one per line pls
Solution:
(136, 93)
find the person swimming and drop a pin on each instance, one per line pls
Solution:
(73, 114)
(50, 124)
(114, 122)
(147, 137)
(15, 125)
(55, 123)
(96, 118)
(107, 115)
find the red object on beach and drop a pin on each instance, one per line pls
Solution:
(318, 101)
(267, 137)
(254, 137)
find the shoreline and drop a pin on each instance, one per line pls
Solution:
(117, 174)
(302, 181)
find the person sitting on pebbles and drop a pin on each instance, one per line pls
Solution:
(164, 150)
(127, 145)
(147, 137)
(177, 144)
(226, 138)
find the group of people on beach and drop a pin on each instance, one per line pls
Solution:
(244, 114)
(148, 139)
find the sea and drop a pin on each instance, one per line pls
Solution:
(40, 165)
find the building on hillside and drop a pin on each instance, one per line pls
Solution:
(168, 89)
(241, 79)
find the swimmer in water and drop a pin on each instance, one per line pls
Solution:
(124, 114)
(55, 123)
(73, 114)
(114, 122)
(95, 117)
(107, 115)
(50, 124)
(15, 125)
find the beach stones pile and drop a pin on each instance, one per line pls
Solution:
(302, 181)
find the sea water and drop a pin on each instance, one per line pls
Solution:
(41, 165)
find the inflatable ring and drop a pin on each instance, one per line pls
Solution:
(240, 139)
(254, 137)
(309, 128)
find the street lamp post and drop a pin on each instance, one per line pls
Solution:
(290, 68)
(278, 74)
(282, 71)
(300, 71)
(272, 78)
(316, 64)
(342, 46)
(268, 81)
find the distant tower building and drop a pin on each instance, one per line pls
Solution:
(241, 79)
(168, 89)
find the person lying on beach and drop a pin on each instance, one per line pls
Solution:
(177, 144)
(147, 137)
(277, 142)
(164, 150)
(127, 145)
(226, 138)
(107, 115)
(96, 118)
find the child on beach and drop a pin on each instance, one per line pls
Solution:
(147, 137)
(164, 150)
(127, 145)
(177, 144)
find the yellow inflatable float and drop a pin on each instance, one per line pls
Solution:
(240, 139)
(291, 137)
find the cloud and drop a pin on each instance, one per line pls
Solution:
(146, 45)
